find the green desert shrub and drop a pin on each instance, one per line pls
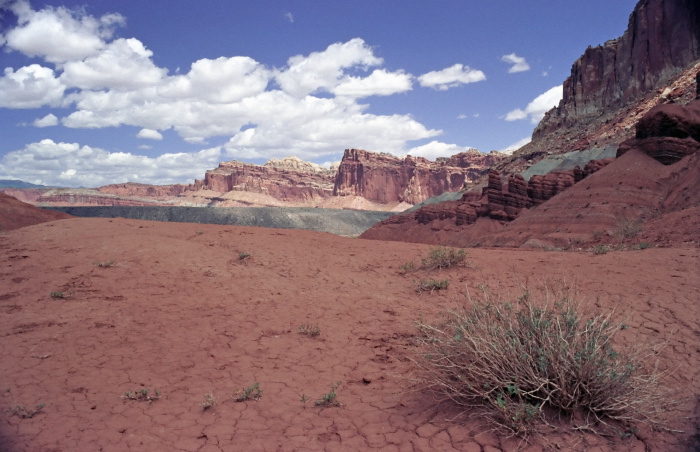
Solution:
(252, 392)
(443, 257)
(525, 362)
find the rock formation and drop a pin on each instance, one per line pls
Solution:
(385, 178)
(290, 180)
(503, 199)
(668, 132)
(92, 197)
(131, 189)
(639, 82)
(662, 39)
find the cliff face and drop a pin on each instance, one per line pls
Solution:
(386, 179)
(503, 199)
(131, 189)
(297, 183)
(661, 40)
(92, 197)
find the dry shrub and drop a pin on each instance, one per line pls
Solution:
(628, 228)
(443, 257)
(524, 363)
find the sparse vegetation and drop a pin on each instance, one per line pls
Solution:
(443, 257)
(600, 249)
(425, 285)
(330, 398)
(105, 264)
(252, 392)
(243, 256)
(24, 413)
(58, 294)
(522, 363)
(628, 229)
(209, 401)
(142, 395)
(309, 330)
(407, 267)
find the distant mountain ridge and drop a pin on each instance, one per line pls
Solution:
(16, 183)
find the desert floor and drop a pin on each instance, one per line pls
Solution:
(174, 307)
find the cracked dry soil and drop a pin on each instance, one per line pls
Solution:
(179, 310)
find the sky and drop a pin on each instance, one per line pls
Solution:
(102, 91)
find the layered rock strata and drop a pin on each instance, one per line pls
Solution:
(295, 184)
(385, 178)
(668, 132)
(131, 189)
(503, 199)
(662, 39)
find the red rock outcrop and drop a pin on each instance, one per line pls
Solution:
(504, 199)
(661, 40)
(384, 178)
(283, 183)
(668, 132)
(28, 195)
(91, 197)
(131, 189)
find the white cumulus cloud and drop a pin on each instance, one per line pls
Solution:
(70, 164)
(149, 134)
(123, 64)
(31, 86)
(379, 83)
(451, 77)
(518, 63)
(59, 34)
(47, 121)
(322, 71)
(536, 109)
(309, 107)
(436, 149)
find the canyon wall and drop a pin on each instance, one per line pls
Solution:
(662, 39)
(384, 178)
(298, 182)
(130, 189)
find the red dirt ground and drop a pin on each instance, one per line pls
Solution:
(180, 312)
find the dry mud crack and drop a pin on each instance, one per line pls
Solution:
(181, 312)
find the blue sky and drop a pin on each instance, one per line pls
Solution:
(159, 91)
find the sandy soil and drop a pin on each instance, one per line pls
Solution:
(173, 307)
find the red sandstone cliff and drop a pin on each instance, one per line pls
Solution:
(503, 199)
(288, 180)
(385, 178)
(662, 39)
(130, 189)
(643, 78)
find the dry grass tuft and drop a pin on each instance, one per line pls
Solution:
(443, 257)
(526, 362)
